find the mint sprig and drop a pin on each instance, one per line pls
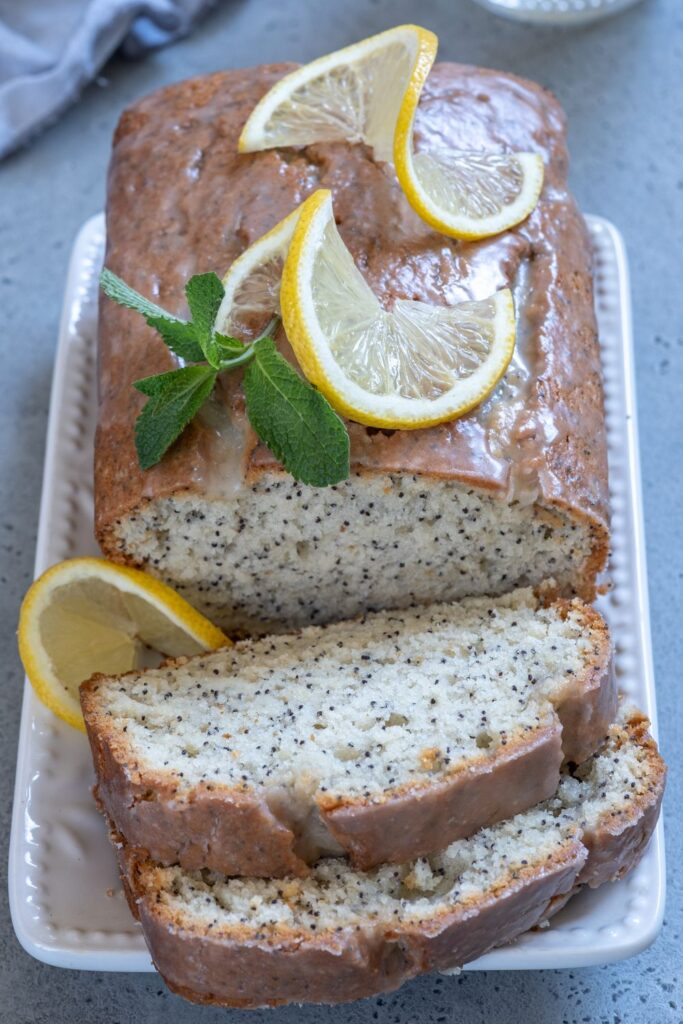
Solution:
(289, 415)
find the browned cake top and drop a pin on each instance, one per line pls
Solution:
(183, 201)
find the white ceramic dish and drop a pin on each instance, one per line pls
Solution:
(66, 900)
(556, 13)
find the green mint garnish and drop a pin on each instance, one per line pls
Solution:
(174, 399)
(204, 293)
(293, 419)
(290, 416)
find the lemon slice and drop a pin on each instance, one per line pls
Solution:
(352, 95)
(88, 615)
(412, 367)
(252, 284)
(369, 92)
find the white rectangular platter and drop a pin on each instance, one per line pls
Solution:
(66, 900)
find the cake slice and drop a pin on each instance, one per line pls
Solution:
(340, 935)
(384, 738)
(507, 496)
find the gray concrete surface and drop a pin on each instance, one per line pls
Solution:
(620, 84)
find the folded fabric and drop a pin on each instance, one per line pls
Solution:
(49, 49)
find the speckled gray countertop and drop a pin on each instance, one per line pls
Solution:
(620, 84)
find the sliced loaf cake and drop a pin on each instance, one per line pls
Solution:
(384, 737)
(339, 935)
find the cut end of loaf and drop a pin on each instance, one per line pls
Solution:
(280, 555)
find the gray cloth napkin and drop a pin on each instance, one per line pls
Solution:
(49, 49)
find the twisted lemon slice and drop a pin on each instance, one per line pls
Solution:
(369, 93)
(88, 615)
(412, 367)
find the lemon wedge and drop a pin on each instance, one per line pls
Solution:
(87, 615)
(369, 92)
(411, 367)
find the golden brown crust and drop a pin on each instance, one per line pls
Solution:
(587, 711)
(619, 840)
(197, 204)
(337, 967)
(238, 832)
(418, 821)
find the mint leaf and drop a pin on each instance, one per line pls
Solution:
(204, 295)
(120, 292)
(294, 420)
(228, 348)
(179, 335)
(174, 398)
(156, 385)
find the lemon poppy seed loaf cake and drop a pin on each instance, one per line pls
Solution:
(383, 738)
(340, 934)
(511, 494)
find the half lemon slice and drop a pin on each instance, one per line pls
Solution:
(412, 367)
(252, 284)
(369, 92)
(87, 615)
